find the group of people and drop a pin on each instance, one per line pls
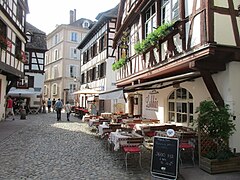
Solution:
(58, 106)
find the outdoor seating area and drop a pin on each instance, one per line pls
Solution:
(130, 135)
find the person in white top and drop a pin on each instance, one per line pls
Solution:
(68, 109)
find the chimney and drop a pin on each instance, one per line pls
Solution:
(71, 16)
(74, 15)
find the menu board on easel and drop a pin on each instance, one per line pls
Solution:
(165, 157)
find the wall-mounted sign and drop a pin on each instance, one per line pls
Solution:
(151, 102)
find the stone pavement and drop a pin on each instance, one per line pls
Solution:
(42, 148)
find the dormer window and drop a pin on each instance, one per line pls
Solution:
(29, 37)
(85, 24)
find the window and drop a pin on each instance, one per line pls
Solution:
(134, 38)
(18, 47)
(180, 106)
(29, 37)
(85, 57)
(150, 19)
(74, 36)
(56, 54)
(83, 80)
(45, 90)
(169, 10)
(73, 71)
(85, 24)
(74, 53)
(103, 43)
(56, 39)
(55, 73)
(54, 89)
(102, 70)
(72, 88)
(3, 29)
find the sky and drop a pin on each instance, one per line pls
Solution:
(46, 14)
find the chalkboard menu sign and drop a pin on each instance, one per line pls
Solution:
(165, 157)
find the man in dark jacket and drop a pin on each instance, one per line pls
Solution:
(58, 106)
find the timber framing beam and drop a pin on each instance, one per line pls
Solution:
(212, 88)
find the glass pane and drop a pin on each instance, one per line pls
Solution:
(191, 119)
(179, 93)
(171, 96)
(179, 118)
(179, 107)
(191, 108)
(184, 107)
(171, 106)
(184, 117)
(184, 94)
(190, 95)
(172, 117)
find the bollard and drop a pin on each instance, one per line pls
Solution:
(23, 114)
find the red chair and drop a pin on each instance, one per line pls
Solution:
(186, 145)
(132, 147)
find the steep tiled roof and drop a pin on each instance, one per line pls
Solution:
(79, 22)
(38, 38)
(101, 17)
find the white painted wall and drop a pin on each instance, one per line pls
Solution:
(2, 98)
(229, 87)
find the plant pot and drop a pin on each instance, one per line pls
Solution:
(214, 166)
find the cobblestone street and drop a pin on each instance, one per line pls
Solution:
(47, 149)
(42, 148)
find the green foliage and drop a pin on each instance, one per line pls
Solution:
(118, 64)
(218, 126)
(152, 38)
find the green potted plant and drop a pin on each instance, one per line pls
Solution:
(118, 64)
(215, 126)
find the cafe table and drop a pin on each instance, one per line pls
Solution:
(106, 115)
(119, 139)
(103, 128)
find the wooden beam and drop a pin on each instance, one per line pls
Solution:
(212, 88)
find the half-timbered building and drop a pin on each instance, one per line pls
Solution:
(97, 57)
(30, 87)
(12, 45)
(177, 54)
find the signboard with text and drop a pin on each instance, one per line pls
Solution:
(165, 157)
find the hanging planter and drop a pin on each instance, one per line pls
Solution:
(118, 64)
(5, 43)
(22, 57)
(152, 38)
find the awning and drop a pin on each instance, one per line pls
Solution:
(87, 91)
(22, 92)
(113, 94)
(162, 83)
(90, 98)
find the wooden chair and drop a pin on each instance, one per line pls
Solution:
(132, 147)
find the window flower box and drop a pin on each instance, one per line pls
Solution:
(22, 57)
(4, 42)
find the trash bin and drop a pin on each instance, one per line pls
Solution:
(23, 114)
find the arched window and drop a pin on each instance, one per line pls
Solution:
(54, 89)
(180, 106)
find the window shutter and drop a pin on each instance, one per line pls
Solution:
(105, 41)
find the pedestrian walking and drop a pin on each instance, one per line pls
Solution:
(68, 109)
(53, 104)
(49, 105)
(58, 107)
(10, 107)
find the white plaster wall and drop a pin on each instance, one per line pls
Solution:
(229, 87)
(223, 35)
(3, 94)
(196, 88)
(222, 3)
